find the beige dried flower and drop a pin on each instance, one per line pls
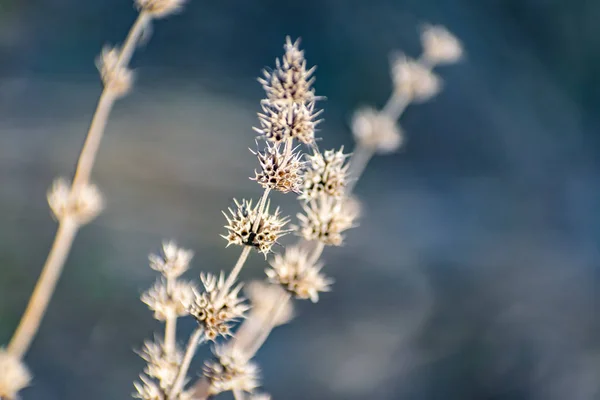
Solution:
(162, 365)
(81, 204)
(326, 175)
(244, 231)
(147, 389)
(414, 80)
(14, 375)
(217, 319)
(296, 273)
(325, 221)
(117, 78)
(266, 297)
(173, 262)
(282, 121)
(290, 81)
(169, 300)
(159, 8)
(230, 371)
(282, 172)
(440, 46)
(376, 130)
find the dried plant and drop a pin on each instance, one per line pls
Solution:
(289, 161)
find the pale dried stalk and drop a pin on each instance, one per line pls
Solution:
(192, 345)
(268, 326)
(170, 325)
(67, 228)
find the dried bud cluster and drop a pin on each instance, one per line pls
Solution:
(325, 221)
(117, 78)
(281, 172)
(173, 262)
(326, 175)
(440, 46)
(147, 389)
(14, 375)
(216, 311)
(244, 229)
(159, 8)
(296, 273)
(81, 204)
(230, 371)
(413, 79)
(376, 130)
(282, 121)
(162, 365)
(167, 300)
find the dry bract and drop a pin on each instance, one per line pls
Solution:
(116, 77)
(230, 371)
(326, 175)
(162, 365)
(440, 46)
(324, 221)
(282, 121)
(169, 300)
(14, 375)
(414, 80)
(376, 130)
(173, 262)
(281, 172)
(82, 204)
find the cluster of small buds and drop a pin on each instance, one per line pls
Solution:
(376, 130)
(147, 389)
(159, 8)
(14, 375)
(162, 365)
(245, 230)
(283, 121)
(169, 299)
(260, 396)
(414, 80)
(117, 78)
(298, 274)
(326, 175)
(230, 371)
(281, 172)
(216, 311)
(80, 204)
(325, 221)
(173, 262)
(440, 46)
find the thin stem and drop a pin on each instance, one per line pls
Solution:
(38, 302)
(170, 323)
(261, 208)
(268, 326)
(358, 163)
(238, 394)
(396, 105)
(192, 345)
(234, 273)
(67, 229)
(317, 251)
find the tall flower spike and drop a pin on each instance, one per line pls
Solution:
(217, 319)
(325, 221)
(295, 272)
(14, 376)
(117, 78)
(173, 303)
(82, 204)
(326, 174)
(159, 8)
(230, 371)
(376, 130)
(282, 121)
(440, 46)
(290, 81)
(414, 80)
(241, 227)
(282, 172)
(173, 262)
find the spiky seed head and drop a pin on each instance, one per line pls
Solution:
(230, 370)
(243, 230)
(159, 8)
(14, 375)
(279, 171)
(440, 46)
(282, 121)
(376, 130)
(414, 80)
(81, 204)
(266, 297)
(117, 78)
(214, 311)
(325, 221)
(290, 81)
(297, 274)
(326, 175)
(169, 300)
(161, 365)
(173, 261)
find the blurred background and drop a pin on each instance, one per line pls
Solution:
(474, 273)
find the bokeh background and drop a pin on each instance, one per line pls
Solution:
(474, 273)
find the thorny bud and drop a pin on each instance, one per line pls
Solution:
(162, 366)
(173, 262)
(169, 300)
(282, 121)
(279, 171)
(325, 221)
(326, 175)
(230, 371)
(82, 203)
(414, 80)
(376, 130)
(440, 46)
(117, 78)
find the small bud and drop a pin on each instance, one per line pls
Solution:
(376, 130)
(440, 46)
(82, 204)
(117, 78)
(14, 375)
(414, 80)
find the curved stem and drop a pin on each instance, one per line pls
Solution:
(185, 364)
(358, 163)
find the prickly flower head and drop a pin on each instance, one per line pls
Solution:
(326, 175)
(290, 81)
(173, 261)
(168, 300)
(81, 204)
(159, 8)
(325, 221)
(14, 375)
(230, 371)
(282, 121)
(244, 228)
(414, 80)
(279, 171)
(440, 46)
(298, 274)
(376, 130)
(216, 311)
(117, 78)
(162, 365)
